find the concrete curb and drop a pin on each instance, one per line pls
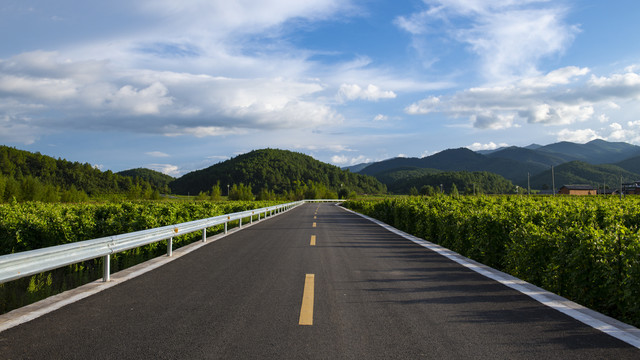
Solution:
(52, 303)
(604, 323)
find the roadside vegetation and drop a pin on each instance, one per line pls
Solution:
(33, 225)
(586, 249)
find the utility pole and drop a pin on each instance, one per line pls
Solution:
(553, 182)
(528, 184)
(620, 186)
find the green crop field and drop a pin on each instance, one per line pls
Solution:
(33, 225)
(586, 249)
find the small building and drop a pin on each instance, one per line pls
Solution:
(631, 188)
(578, 190)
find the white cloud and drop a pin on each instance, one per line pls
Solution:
(381, 117)
(343, 160)
(147, 101)
(560, 97)
(578, 136)
(15, 129)
(489, 146)
(157, 154)
(245, 16)
(153, 101)
(423, 106)
(510, 37)
(557, 114)
(489, 120)
(560, 76)
(167, 169)
(349, 92)
(339, 159)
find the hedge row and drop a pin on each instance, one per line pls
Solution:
(586, 249)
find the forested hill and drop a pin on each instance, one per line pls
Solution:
(276, 170)
(155, 178)
(31, 176)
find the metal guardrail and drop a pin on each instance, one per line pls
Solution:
(26, 263)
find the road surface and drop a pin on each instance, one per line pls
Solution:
(316, 282)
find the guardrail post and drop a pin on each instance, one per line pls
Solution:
(106, 268)
(170, 247)
(240, 223)
(204, 235)
(225, 227)
(251, 218)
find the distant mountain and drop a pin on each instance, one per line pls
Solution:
(515, 163)
(156, 178)
(461, 159)
(593, 152)
(277, 170)
(630, 164)
(536, 158)
(356, 168)
(487, 152)
(580, 172)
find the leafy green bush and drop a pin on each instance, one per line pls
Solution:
(33, 225)
(584, 248)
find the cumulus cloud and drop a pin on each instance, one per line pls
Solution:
(489, 120)
(557, 114)
(343, 160)
(577, 136)
(155, 101)
(561, 97)
(488, 146)
(167, 169)
(380, 117)
(339, 159)
(624, 132)
(349, 92)
(424, 106)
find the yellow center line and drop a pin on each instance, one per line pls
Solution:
(314, 224)
(306, 310)
(313, 240)
(315, 217)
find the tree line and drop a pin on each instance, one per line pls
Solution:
(26, 176)
(285, 173)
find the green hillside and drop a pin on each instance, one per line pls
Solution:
(155, 178)
(391, 176)
(579, 172)
(26, 176)
(280, 171)
(594, 152)
(631, 165)
(465, 182)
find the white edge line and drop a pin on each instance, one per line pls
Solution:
(598, 321)
(55, 302)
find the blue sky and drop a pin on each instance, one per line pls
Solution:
(177, 86)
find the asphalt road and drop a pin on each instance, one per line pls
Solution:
(375, 296)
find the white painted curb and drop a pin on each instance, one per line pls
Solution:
(606, 324)
(55, 302)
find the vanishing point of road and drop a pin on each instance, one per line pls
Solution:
(317, 282)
